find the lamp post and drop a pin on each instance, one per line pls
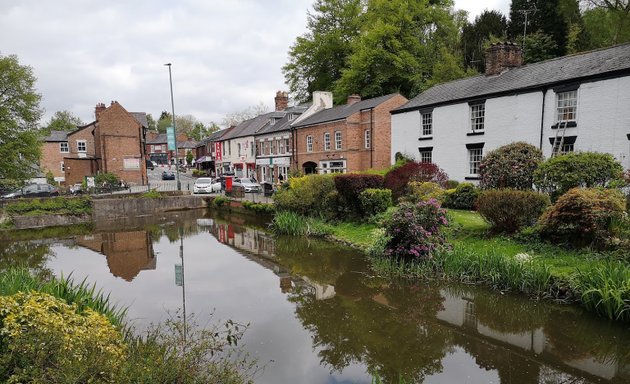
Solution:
(170, 77)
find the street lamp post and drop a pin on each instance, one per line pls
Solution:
(170, 77)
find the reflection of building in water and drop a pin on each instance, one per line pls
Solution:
(259, 247)
(462, 313)
(127, 253)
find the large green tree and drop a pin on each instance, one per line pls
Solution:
(475, 37)
(399, 46)
(19, 115)
(317, 58)
(62, 121)
(607, 22)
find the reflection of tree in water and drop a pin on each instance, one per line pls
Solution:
(319, 260)
(355, 326)
(30, 254)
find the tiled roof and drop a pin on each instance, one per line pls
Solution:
(57, 136)
(159, 139)
(562, 70)
(343, 111)
(248, 127)
(141, 117)
(283, 124)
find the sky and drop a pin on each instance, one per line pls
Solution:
(226, 55)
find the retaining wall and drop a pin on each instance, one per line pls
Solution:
(108, 209)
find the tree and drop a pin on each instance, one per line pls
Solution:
(607, 22)
(19, 116)
(164, 121)
(235, 118)
(201, 131)
(317, 58)
(476, 35)
(542, 15)
(62, 121)
(398, 46)
(540, 46)
(152, 125)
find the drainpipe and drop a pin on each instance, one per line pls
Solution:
(542, 120)
(294, 152)
(371, 137)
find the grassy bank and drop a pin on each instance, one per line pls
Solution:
(599, 281)
(40, 318)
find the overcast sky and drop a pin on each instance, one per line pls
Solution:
(226, 55)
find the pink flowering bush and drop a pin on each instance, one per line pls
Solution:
(414, 231)
(510, 166)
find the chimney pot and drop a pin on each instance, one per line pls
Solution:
(353, 99)
(502, 56)
(100, 107)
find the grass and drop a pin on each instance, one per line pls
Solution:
(82, 294)
(56, 205)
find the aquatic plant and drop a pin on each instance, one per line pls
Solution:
(605, 289)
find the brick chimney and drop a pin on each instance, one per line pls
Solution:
(502, 56)
(100, 107)
(282, 100)
(353, 99)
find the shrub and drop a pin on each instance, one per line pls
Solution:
(56, 205)
(375, 201)
(397, 178)
(106, 180)
(349, 186)
(308, 195)
(463, 197)
(220, 201)
(452, 184)
(43, 338)
(258, 207)
(424, 191)
(414, 231)
(582, 216)
(508, 210)
(510, 166)
(586, 169)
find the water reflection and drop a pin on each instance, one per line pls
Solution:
(321, 316)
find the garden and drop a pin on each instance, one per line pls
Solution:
(553, 229)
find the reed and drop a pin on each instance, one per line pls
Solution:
(82, 294)
(294, 224)
(605, 289)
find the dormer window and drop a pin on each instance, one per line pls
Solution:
(272, 121)
(291, 117)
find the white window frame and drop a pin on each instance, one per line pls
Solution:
(286, 145)
(332, 166)
(426, 156)
(63, 147)
(474, 159)
(281, 146)
(79, 144)
(566, 106)
(426, 124)
(477, 117)
(338, 140)
(309, 143)
(367, 139)
(327, 141)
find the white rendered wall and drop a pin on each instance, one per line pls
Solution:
(603, 121)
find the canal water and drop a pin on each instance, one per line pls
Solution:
(316, 312)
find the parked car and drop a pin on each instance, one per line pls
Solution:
(206, 185)
(76, 189)
(168, 175)
(33, 190)
(250, 185)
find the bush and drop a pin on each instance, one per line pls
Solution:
(310, 195)
(43, 338)
(220, 201)
(398, 178)
(586, 169)
(375, 201)
(414, 231)
(349, 186)
(583, 216)
(258, 207)
(106, 180)
(510, 166)
(452, 184)
(424, 191)
(508, 210)
(56, 205)
(463, 197)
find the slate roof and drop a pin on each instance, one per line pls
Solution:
(248, 127)
(562, 70)
(283, 124)
(343, 111)
(57, 136)
(159, 139)
(141, 117)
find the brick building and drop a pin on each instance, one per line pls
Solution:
(54, 149)
(347, 138)
(113, 142)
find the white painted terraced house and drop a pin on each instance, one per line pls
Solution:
(454, 124)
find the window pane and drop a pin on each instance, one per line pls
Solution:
(477, 117)
(427, 124)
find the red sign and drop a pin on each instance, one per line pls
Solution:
(217, 151)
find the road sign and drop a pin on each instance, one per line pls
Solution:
(170, 137)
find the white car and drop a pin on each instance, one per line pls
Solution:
(250, 185)
(206, 185)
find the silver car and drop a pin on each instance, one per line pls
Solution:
(250, 185)
(206, 185)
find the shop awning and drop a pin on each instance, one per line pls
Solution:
(203, 159)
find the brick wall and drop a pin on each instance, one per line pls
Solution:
(77, 169)
(83, 134)
(51, 159)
